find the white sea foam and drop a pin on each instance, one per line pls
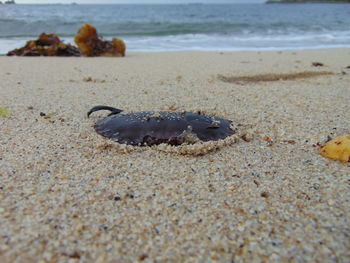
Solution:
(216, 42)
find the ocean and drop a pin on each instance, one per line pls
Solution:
(186, 26)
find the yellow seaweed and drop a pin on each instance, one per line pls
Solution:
(337, 149)
(3, 111)
(91, 45)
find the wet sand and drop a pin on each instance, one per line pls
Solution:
(263, 195)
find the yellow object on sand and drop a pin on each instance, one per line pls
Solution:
(337, 149)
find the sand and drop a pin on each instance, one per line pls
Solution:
(69, 195)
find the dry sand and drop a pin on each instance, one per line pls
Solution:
(69, 195)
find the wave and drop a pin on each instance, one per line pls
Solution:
(20, 27)
(182, 27)
(213, 42)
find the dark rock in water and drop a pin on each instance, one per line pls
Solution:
(156, 127)
(305, 1)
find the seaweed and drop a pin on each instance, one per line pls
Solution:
(3, 111)
(273, 76)
(46, 45)
(91, 45)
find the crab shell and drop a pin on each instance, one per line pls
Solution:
(174, 128)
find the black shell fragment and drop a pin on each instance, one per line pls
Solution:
(156, 127)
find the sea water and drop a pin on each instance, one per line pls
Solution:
(185, 26)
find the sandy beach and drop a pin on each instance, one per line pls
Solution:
(264, 195)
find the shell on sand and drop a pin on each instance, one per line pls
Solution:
(337, 149)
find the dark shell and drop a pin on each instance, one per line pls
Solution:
(149, 128)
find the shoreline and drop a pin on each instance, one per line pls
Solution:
(203, 42)
(67, 193)
(301, 49)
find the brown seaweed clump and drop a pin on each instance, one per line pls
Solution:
(273, 77)
(46, 45)
(91, 45)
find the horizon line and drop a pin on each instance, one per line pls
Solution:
(73, 3)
